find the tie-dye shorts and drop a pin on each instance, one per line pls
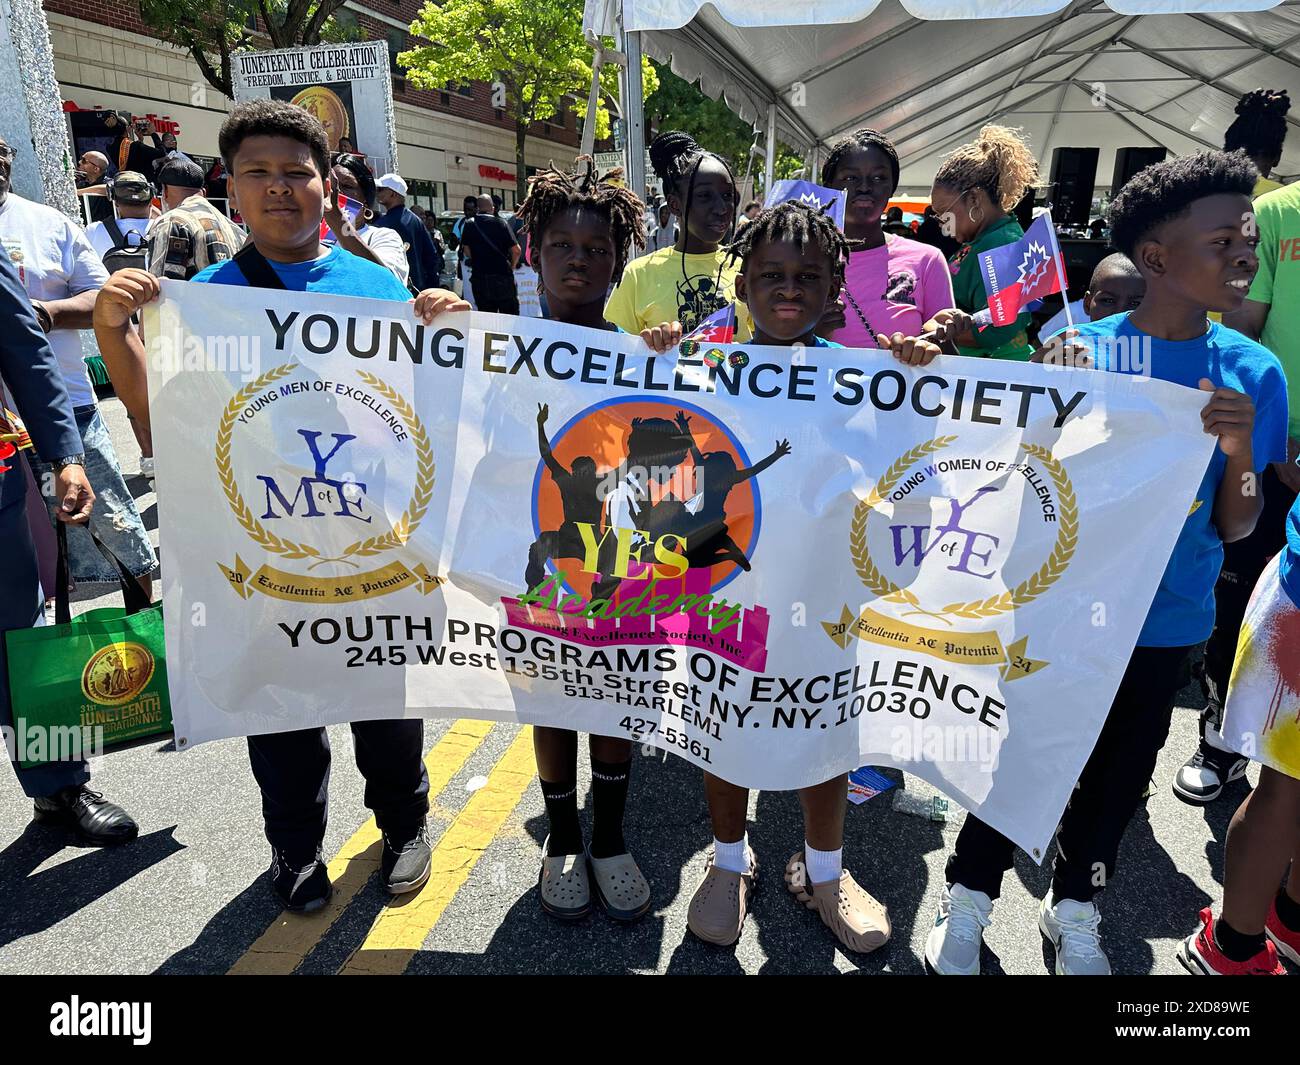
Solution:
(1262, 716)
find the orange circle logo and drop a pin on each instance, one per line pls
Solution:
(671, 474)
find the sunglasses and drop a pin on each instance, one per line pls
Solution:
(7, 153)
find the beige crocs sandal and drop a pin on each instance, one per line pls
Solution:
(859, 921)
(562, 885)
(620, 887)
(721, 903)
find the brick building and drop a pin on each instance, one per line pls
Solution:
(450, 144)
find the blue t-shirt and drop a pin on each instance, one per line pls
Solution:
(338, 272)
(1182, 613)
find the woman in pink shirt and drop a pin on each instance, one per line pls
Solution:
(892, 284)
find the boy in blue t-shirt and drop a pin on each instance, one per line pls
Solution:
(1188, 226)
(277, 157)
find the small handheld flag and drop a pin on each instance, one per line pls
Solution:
(717, 328)
(1017, 274)
(832, 200)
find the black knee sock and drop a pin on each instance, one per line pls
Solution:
(609, 782)
(1237, 946)
(1288, 910)
(562, 811)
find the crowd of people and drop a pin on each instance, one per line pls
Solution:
(1188, 243)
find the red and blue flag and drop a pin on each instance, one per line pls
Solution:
(1017, 274)
(717, 328)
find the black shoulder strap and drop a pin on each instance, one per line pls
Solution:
(256, 270)
(115, 231)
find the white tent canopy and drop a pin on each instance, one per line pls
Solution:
(1084, 73)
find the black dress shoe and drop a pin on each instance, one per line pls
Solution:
(93, 818)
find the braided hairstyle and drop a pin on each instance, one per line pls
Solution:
(1260, 126)
(859, 141)
(797, 222)
(676, 159)
(552, 192)
(999, 162)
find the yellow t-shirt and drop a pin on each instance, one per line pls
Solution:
(660, 287)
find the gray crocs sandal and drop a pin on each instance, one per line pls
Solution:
(562, 885)
(620, 887)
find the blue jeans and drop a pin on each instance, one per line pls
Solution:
(21, 607)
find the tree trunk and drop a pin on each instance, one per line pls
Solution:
(521, 169)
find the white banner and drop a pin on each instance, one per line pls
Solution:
(779, 564)
(348, 86)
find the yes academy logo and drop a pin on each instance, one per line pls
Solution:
(320, 502)
(938, 531)
(643, 511)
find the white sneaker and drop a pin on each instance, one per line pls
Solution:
(146, 467)
(953, 946)
(1072, 928)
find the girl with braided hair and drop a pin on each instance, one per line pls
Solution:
(791, 265)
(695, 277)
(1259, 130)
(974, 191)
(891, 284)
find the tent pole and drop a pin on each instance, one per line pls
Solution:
(769, 158)
(633, 115)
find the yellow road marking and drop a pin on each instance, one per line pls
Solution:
(400, 931)
(282, 947)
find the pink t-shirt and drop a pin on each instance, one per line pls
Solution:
(897, 287)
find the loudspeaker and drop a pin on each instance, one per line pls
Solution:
(1074, 173)
(1128, 161)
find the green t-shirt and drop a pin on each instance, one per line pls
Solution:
(1277, 214)
(1000, 341)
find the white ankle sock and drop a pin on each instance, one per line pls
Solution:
(732, 856)
(823, 865)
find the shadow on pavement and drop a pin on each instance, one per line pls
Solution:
(36, 902)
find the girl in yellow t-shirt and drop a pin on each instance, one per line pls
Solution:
(695, 277)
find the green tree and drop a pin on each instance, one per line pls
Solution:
(677, 104)
(213, 30)
(532, 52)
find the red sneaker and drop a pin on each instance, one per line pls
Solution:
(1201, 956)
(1284, 939)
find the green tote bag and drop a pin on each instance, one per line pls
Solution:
(92, 683)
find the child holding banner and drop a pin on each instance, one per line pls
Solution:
(1187, 225)
(974, 191)
(696, 277)
(1259, 920)
(791, 265)
(891, 284)
(583, 231)
(278, 159)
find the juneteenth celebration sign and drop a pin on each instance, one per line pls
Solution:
(347, 86)
(780, 564)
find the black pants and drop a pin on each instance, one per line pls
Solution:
(293, 771)
(1243, 562)
(1109, 788)
(495, 292)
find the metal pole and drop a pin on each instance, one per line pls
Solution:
(633, 118)
(769, 159)
(589, 127)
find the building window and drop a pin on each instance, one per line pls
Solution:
(444, 98)
(396, 44)
(466, 90)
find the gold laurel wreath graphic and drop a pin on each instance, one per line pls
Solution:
(1026, 591)
(395, 537)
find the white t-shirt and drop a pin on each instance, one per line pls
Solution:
(389, 246)
(102, 241)
(54, 261)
